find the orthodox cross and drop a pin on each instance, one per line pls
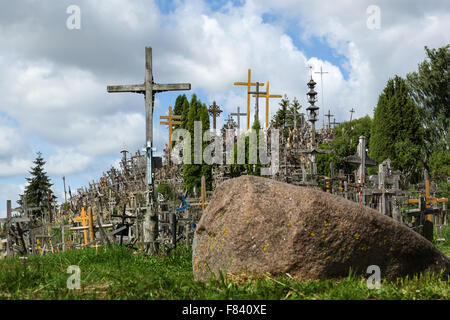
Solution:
(267, 96)
(238, 114)
(149, 88)
(248, 84)
(170, 123)
(329, 115)
(351, 114)
(321, 84)
(214, 111)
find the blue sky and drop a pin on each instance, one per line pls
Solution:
(53, 80)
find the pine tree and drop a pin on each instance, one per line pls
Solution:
(281, 116)
(396, 132)
(38, 192)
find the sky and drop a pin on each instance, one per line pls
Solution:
(53, 77)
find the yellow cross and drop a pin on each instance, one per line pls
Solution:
(248, 84)
(267, 95)
(429, 200)
(170, 123)
(85, 221)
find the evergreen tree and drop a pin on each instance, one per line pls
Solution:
(38, 192)
(396, 132)
(281, 115)
(178, 107)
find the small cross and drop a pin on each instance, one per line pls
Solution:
(214, 111)
(267, 96)
(334, 123)
(248, 84)
(351, 114)
(170, 123)
(238, 114)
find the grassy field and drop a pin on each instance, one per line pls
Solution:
(121, 273)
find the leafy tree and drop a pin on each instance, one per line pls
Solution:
(430, 89)
(397, 132)
(38, 192)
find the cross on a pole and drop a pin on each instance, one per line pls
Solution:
(267, 96)
(149, 88)
(321, 84)
(329, 115)
(248, 84)
(351, 114)
(238, 114)
(170, 123)
(214, 111)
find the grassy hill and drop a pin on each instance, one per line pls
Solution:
(121, 273)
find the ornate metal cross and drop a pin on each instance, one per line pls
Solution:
(266, 95)
(214, 111)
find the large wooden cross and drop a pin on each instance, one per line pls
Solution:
(238, 114)
(214, 111)
(266, 95)
(149, 88)
(170, 123)
(249, 83)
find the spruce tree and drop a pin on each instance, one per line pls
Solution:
(281, 116)
(38, 192)
(396, 132)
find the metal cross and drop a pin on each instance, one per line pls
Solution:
(149, 88)
(170, 123)
(214, 111)
(238, 114)
(258, 95)
(267, 96)
(321, 84)
(248, 84)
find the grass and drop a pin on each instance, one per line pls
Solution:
(121, 273)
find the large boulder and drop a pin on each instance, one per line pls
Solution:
(254, 224)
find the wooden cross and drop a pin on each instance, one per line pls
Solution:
(351, 114)
(149, 88)
(267, 96)
(248, 84)
(84, 219)
(238, 114)
(329, 115)
(214, 111)
(170, 123)
(334, 123)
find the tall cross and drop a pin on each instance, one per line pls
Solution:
(248, 84)
(214, 111)
(267, 96)
(258, 94)
(321, 84)
(294, 116)
(351, 114)
(329, 115)
(149, 88)
(238, 114)
(170, 123)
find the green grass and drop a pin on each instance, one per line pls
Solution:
(120, 273)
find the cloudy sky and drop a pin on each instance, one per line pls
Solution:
(53, 79)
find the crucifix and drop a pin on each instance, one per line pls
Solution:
(214, 111)
(321, 84)
(267, 96)
(248, 84)
(149, 88)
(351, 114)
(238, 114)
(170, 123)
(329, 115)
